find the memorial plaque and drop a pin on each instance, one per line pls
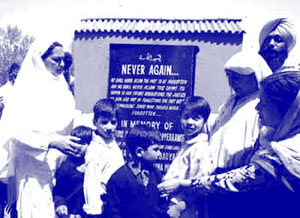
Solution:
(149, 82)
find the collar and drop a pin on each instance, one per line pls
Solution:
(97, 138)
(142, 176)
(199, 137)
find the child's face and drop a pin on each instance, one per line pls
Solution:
(152, 153)
(191, 124)
(106, 126)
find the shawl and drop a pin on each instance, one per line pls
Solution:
(285, 145)
(40, 105)
(243, 63)
(235, 130)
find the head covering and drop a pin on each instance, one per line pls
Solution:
(290, 124)
(39, 102)
(285, 28)
(246, 62)
(285, 142)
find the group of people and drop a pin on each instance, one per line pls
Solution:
(246, 164)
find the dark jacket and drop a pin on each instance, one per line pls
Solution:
(128, 198)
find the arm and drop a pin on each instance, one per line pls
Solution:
(92, 181)
(113, 200)
(59, 194)
(36, 144)
(242, 179)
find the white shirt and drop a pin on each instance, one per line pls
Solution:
(102, 160)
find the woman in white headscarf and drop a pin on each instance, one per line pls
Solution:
(34, 129)
(235, 130)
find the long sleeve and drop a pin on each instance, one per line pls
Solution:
(59, 190)
(113, 200)
(192, 161)
(242, 179)
(92, 191)
(102, 160)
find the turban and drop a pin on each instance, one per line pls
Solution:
(285, 28)
(246, 63)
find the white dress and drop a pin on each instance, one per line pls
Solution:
(40, 106)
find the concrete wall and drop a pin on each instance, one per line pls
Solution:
(91, 59)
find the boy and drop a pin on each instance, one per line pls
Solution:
(132, 189)
(68, 192)
(193, 160)
(103, 156)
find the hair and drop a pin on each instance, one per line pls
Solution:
(48, 52)
(13, 67)
(106, 108)
(68, 61)
(141, 136)
(196, 105)
(84, 133)
(282, 88)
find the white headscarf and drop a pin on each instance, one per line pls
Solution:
(286, 29)
(246, 62)
(40, 102)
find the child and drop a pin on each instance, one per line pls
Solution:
(103, 156)
(68, 192)
(193, 160)
(132, 189)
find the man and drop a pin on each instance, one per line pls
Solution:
(277, 38)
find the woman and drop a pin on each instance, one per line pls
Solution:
(38, 116)
(234, 132)
(272, 176)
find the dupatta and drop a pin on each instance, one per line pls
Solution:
(285, 146)
(39, 106)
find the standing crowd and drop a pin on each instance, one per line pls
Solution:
(245, 163)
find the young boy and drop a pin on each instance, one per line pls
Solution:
(132, 189)
(68, 191)
(193, 160)
(103, 157)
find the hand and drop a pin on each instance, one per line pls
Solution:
(204, 183)
(62, 210)
(66, 145)
(170, 186)
(175, 210)
(7, 211)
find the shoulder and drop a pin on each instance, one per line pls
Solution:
(157, 173)
(121, 173)
(66, 167)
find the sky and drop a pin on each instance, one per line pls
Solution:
(60, 18)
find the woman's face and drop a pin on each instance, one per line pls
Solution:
(269, 111)
(54, 62)
(242, 85)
